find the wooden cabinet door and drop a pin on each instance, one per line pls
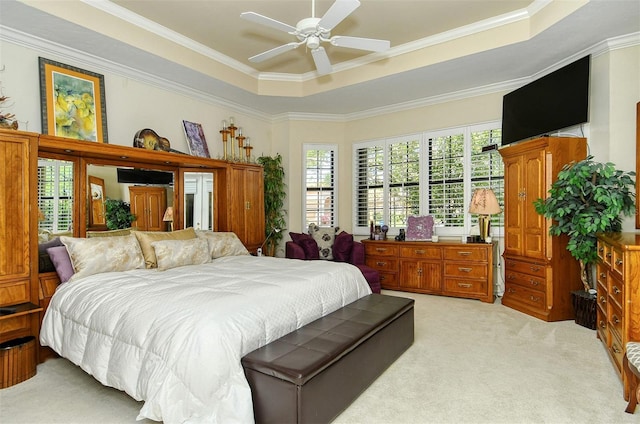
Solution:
(534, 228)
(247, 205)
(148, 205)
(421, 276)
(513, 192)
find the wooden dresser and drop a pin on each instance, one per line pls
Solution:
(618, 285)
(445, 268)
(540, 273)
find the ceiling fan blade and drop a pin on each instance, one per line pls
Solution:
(273, 52)
(370, 44)
(337, 12)
(263, 20)
(323, 65)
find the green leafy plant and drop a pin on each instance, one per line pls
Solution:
(274, 197)
(587, 198)
(118, 214)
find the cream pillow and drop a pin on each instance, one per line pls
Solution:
(110, 233)
(223, 244)
(175, 253)
(145, 238)
(103, 254)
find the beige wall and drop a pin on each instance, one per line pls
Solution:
(134, 104)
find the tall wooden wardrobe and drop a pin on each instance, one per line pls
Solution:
(540, 273)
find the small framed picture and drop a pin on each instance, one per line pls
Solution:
(73, 102)
(419, 228)
(195, 139)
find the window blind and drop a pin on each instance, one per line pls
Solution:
(320, 185)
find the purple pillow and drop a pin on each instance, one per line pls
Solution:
(61, 261)
(310, 247)
(342, 247)
(308, 244)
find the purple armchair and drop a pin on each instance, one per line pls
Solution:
(354, 256)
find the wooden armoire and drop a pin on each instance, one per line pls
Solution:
(540, 273)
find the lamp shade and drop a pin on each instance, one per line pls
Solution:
(168, 215)
(484, 202)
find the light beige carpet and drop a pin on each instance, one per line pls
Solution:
(471, 362)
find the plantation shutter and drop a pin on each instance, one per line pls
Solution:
(369, 185)
(446, 180)
(320, 189)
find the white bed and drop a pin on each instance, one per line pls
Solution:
(174, 338)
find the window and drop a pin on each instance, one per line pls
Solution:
(426, 174)
(55, 195)
(319, 185)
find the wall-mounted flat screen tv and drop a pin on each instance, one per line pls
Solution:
(553, 102)
(144, 176)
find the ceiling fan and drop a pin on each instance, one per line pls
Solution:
(314, 31)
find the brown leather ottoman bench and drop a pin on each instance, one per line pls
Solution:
(312, 374)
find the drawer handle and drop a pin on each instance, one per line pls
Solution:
(603, 275)
(601, 249)
(419, 251)
(381, 263)
(615, 349)
(511, 276)
(382, 278)
(511, 290)
(465, 269)
(534, 298)
(603, 299)
(615, 320)
(381, 249)
(616, 290)
(465, 285)
(603, 325)
(535, 268)
(534, 282)
(609, 255)
(464, 253)
(619, 262)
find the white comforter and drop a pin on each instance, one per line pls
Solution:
(175, 338)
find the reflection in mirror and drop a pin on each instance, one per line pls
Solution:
(146, 193)
(198, 200)
(55, 198)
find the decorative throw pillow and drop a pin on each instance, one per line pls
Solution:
(223, 244)
(111, 233)
(307, 243)
(61, 261)
(342, 247)
(145, 238)
(175, 253)
(44, 261)
(324, 237)
(103, 254)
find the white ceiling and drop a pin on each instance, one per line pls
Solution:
(439, 47)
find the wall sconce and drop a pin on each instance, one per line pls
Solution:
(168, 217)
(485, 204)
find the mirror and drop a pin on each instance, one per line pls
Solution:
(55, 198)
(147, 192)
(198, 200)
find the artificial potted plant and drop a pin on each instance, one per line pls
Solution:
(118, 214)
(274, 196)
(587, 198)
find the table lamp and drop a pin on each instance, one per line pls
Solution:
(485, 204)
(168, 217)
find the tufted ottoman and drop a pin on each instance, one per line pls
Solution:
(631, 364)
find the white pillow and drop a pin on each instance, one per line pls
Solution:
(175, 253)
(223, 244)
(103, 254)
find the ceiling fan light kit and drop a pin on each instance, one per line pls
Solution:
(314, 31)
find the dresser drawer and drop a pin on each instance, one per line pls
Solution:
(525, 295)
(382, 263)
(421, 252)
(389, 280)
(14, 292)
(603, 250)
(17, 324)
(374, 249)
(459, 286)
(525, 267)
(615, 319)
(469, 270)
(465, 254)
(602, 274)
(616, 291)
(617, 261)
(602, 327)
(616, 352)
(525, 280)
